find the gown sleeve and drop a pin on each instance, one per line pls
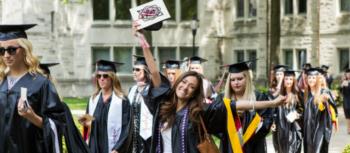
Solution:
(122, 146)
(53, 116)
(215, 115)
(73, 138)
(267, 116)
(152, 96)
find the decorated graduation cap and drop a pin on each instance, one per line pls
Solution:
(105, 65)
(14, 31)
(172, 64)
(45, 67)
(197, 60)
(314, 71)
(280, 68)
(150, 15)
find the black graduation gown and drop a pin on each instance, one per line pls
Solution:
(346, 103)
(288, 137)
(317, 127)
(257, 143)
(18, 134)
(72, 136)
(98, 141)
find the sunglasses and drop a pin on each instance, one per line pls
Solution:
(136, 69)
(10, 50)
(99, 76)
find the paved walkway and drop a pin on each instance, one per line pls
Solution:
(338, 141)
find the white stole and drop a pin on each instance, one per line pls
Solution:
(114, 123)
(146, 118)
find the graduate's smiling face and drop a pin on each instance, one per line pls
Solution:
(186, 88)
(12, 54)
(238, 82)
(288, 81)
(311, 80)
(104, 80)
(196, 68)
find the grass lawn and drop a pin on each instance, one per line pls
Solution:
(76, 103)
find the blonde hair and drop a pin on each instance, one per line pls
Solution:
(249, 91)
(178, 72)
(318, 87)
(30, 60)
(117, 88)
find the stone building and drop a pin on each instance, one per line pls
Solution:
(78, 32)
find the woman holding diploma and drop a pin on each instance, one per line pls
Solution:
(30, 119)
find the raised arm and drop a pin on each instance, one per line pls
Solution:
(156, 80)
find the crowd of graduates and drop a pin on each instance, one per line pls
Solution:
(163, 111)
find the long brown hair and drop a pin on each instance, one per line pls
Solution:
(295, 90)
(117, 88)
(167, 111)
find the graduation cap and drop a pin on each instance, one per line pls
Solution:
(325, 67)
(14, 31)
(172, 64)
(140, 60)
(104, 65)
(278, 68)
(289, 72)
(238, 67)
(314, 71)
(197, 60)
(45, 67)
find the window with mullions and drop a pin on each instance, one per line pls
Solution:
(123, 55)
(301, 58)
(252, 8)
(302, 6)
(188, 9)
(240, 8)
(345, 5)
(252, 56)
(99, 53)
(343, 58)
(171, 6)
(166, 53)
(122, 9)
(288, 7)
(239, 55)
(288, 57)
(100, 9)
(188, 52)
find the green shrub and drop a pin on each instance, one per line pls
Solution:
(347, 149)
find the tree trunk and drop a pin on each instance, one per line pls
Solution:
(275, 33)
(315, 38)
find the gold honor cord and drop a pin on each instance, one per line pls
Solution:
(251, 128)
(231, 129)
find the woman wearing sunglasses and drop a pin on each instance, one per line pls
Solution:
(108, 119)
(33, 110)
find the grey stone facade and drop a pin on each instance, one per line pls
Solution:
(66, 33)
